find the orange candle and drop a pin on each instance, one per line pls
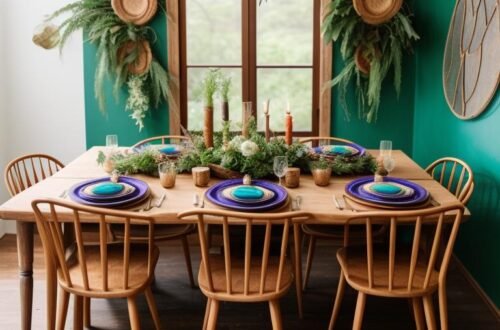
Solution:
(288, 126)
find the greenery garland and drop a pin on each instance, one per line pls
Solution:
(381, 46)
(109, 33)
(252, 156)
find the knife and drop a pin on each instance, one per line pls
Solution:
(336, 202)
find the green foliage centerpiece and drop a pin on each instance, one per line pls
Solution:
(369, 51)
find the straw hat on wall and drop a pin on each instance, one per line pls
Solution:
(137, 12)
(377, 11)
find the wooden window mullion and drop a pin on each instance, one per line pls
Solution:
(249, 52)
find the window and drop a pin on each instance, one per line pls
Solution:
(271, 51)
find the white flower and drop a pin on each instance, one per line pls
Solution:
(249, 148)
(236, 142)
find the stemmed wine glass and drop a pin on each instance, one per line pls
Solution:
(280, 166)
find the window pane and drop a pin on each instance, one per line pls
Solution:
(285, 32)
(280, 85)
(213, 31)
(195, 99)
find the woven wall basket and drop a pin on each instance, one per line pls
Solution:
(144, 56)
(46, 36)
(362, 63)
(377, 11)
(137, 12)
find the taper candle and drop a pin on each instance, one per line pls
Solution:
(266, 113)
(288, 125)
(208, 127)
(245, 117)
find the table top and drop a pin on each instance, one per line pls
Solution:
(318, 201)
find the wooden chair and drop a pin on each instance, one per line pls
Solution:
(25, 171)
(255, 276)
(399, 270)
(110, 269)
(331, 232)
(164, 232)
(455, 175)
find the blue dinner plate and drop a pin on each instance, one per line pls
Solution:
(360, 150)
(215, 196)
(141, 191)
(356, 190)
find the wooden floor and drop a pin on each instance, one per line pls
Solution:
(182, 307)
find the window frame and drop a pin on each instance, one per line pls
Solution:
(321, 66)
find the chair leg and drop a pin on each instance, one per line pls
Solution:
(63, 309)
(212, 316)
(443, 306)
(298, 268)
(418, 313)
(78, 313)
(360, 311)
(207, 312)
(274, 308)
(310, 255)
(135, 323)
(86, 312)
(187, 256)
(152, 307)
(51, 285)
(338, 301)
(429, 313)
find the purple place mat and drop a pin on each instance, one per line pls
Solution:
(141, 190)
(355, 189)
(214, 195)
(361, 150)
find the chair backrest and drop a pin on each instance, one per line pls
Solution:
(317, 139)
(248, 221)
(455, 175)
(51, 214)
(429, 220)
(23, 172)
(162, 139)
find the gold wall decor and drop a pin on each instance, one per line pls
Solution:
(471, 68)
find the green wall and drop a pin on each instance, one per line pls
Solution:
(395, 116)
(116, 120)
(438, 133)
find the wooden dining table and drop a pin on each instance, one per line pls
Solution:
(317, 201)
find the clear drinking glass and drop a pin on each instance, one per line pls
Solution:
(167, 172)
(280, 166)
(385, 148)
(112, 141)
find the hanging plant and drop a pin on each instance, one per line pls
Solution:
(123, 53)
(369, 51)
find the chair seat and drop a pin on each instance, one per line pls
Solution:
(353, 262)
(356, 232)
(219, 279)
(137, 272)
(162, 232)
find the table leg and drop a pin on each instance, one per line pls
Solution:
(25, 257)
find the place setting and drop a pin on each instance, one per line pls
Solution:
(385, 192)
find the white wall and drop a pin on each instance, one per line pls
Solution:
(43, 101)
(3, 126)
